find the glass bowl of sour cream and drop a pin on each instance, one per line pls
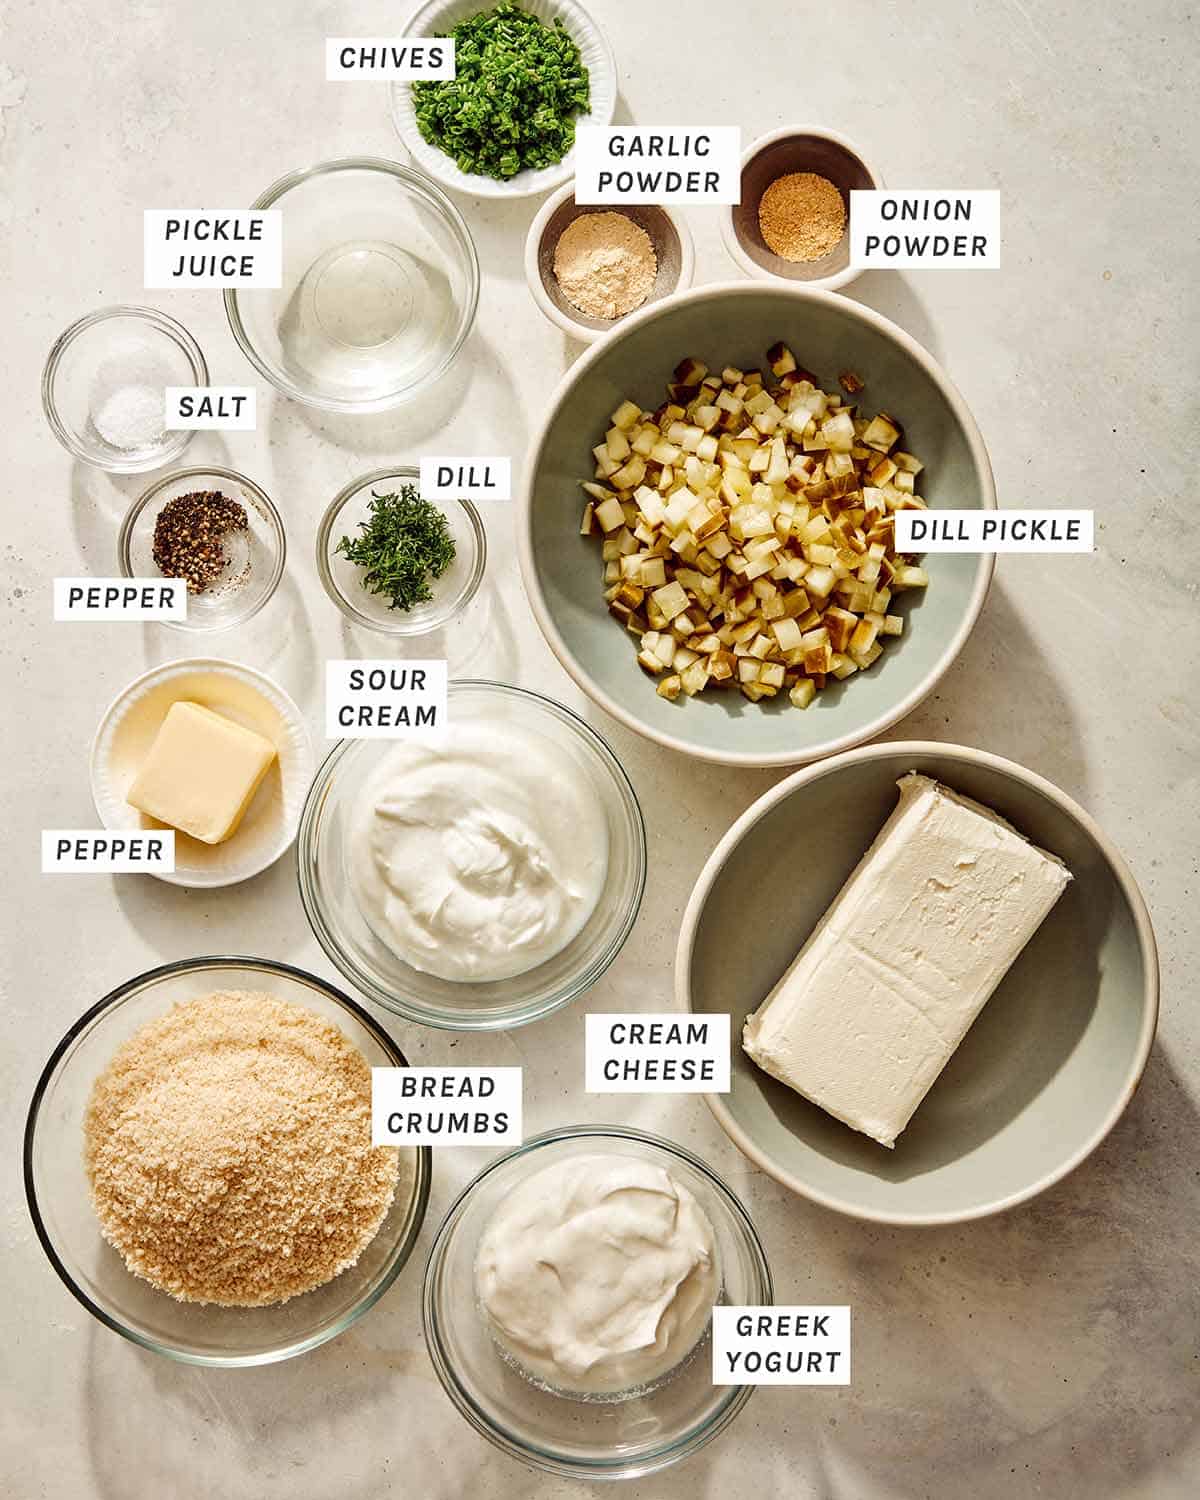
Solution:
(479, 880)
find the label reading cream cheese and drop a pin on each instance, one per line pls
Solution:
(388, 58)
(88, 851)
(995, 531)
(385, 700)
(466, 478)
(658, 164)
(201, 247)
(924, 230)
(781, 1345)
(120, 599)
(207, 408)
(656, 1054)
(445, 1106)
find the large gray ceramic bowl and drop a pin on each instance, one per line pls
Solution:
(1041, 1077)
(727, 324)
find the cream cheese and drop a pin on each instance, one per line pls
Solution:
(478, 858)
(598, 1274)
(884, 990)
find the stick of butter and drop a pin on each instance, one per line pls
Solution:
(201, 773)
(875, 1003)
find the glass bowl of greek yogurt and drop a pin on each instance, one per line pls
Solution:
(479, 879)
(568, 1301)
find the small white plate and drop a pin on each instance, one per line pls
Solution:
(127, 731)
(439, 16)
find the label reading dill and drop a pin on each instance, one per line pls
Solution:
(925, 230)
(200, 247)
(388, 58)
(87, 851)
(781, 1346)
(120, 599)
(466, 478)
(385, 700)
(658, 164)
(446, 1106)
(207, 408)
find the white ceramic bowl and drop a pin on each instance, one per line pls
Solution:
(127, 731)
(439, 16)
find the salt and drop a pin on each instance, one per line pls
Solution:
(131, 416)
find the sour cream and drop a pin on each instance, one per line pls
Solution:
(479, 858)
(598, 1274)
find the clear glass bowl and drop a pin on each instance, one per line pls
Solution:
(380, 285)
(577, 1437)
(371, 966)
(109, 369)
(452, 592)
(256, 555)
(57, 1190)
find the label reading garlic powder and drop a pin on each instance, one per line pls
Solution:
(781, 1346)
(925, 230)
(656, 1054)
(202, 247)
(120, 599)
(446, 1106)
(210, 408)
(466, 478)
(995, 531)
(658, 164)
(388, 58)
(88, 851)
(385, 700)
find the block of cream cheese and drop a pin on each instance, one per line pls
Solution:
(201, 772)
(887, 986)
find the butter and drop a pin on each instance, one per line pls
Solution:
(888, 984)
(201, 773)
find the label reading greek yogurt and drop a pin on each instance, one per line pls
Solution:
(88, 851)
(385, 700)
(924, 230)
(656, 1054)
(658, 164)
(120, 599)
(202, 247)
(202, 408)
(781, 1345)
(995, 531)
(446, 1106)
(389, 58)
(466, 478)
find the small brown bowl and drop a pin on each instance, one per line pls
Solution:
(668, 233)
(795, 148)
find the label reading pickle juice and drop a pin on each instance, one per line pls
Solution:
(203, 247)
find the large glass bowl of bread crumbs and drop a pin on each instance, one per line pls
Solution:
(199, 1167)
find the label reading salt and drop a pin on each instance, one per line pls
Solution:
(89, 851)
(656, 1054)
(385, 700)
(466, 478)
(925, 229)
(658, 164)
(388, 58)
(781, 1345)
(210, 408)
(995, 531)
(200, 247)
(445, 1106)
(120, 599)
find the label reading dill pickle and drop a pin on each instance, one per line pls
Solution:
(389, 58)
(446, 1106)
(781, 1346)
(926, 229)
(385, 700)
(190, 247)
(658, 164)
(466, 479)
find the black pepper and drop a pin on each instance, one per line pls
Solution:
(189, 535)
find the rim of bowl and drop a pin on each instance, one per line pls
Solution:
(985, 567)
(275, 520)
(418, 182)
(539, 1457)
(477, 184)
(401, 626)
(454, 1020)
(421, 1184)
(918, 750)
(729, 235)
(165, 325)
(533, 279)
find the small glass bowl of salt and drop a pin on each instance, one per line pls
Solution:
(104, 387)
